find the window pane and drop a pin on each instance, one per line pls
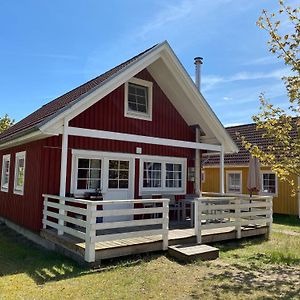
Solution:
(95, 174)
(94, 184)
(82, 184)
(123, 184)
(113, 174)
(95, 163)
(83, 163)
(113, 184)
(82, 173)
(123, 175)
(113, 164)
(124, 165)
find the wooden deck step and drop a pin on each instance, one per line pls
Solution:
(193, 251)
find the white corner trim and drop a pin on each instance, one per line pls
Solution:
(138, 115)
(17, 190)
(118, 136)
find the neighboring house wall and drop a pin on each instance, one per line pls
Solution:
(283, 202)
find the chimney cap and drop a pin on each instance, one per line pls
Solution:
(198, 60)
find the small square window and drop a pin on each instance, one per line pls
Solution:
(138, 99)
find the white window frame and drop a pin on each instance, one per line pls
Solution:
(19, 190)
(104, 157)
(139, 115)
(74, 180)
(229, 172)
(163, 189)
(262, 183)
(5, 187)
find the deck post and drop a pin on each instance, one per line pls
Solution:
(90, 232)
(165, 226)
(63, 172)
(61, 213)
(198, 214)
(222, 190)
(238, 227)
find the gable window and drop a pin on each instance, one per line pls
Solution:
(19, 173)
(234, 182)
(88, 174)
(5, 173)
(269, 183)
(138, 99)
(162, 176)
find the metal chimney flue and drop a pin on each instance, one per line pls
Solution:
(198, 61)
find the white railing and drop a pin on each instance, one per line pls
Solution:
(219, 212)
(108, 220)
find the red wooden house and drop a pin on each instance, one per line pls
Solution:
(135, 130)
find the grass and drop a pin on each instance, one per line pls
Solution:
(248, 269)
(284, 222)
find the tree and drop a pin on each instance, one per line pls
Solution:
(5, 123)
(281, 126)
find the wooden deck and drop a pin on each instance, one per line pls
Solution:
(74, 247)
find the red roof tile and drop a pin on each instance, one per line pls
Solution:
(50, 109)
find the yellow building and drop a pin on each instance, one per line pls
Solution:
(236, 174)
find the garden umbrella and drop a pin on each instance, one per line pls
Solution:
(254, 177)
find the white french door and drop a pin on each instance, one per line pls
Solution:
(118, 184)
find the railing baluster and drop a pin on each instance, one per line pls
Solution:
(238, 227)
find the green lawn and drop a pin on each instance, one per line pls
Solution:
(248, 269)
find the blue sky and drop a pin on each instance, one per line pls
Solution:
(50, 47)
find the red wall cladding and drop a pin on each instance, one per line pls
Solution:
(25, 210)
(108, 114)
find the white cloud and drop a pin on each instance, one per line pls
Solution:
(211, 81)
(227, 98)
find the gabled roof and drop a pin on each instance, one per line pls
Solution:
(46, 111)
(252, 135)
(165, 68)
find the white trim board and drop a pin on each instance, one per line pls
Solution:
(118, 136)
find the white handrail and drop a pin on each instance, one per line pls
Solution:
(78, 217)
(218, 212)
